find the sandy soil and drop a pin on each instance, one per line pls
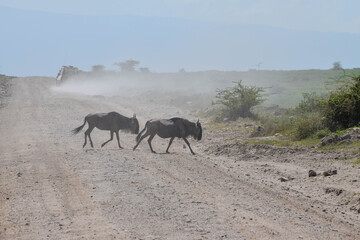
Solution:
(52, 188)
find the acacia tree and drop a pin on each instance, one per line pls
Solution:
(239, 100)
(128, 66)
(337, 66)
(98, 68)
(145, 70)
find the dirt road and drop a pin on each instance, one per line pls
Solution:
(52, 188)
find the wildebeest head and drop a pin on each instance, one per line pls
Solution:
(196, 130)
(134, 125)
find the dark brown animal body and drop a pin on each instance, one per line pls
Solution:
(112, 121)
(170, 128)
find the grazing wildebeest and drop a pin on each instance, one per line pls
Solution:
(111, 121)
(170, 128)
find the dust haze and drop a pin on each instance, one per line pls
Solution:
(197, 90)
(178, 89)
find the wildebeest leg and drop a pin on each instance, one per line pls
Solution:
(171, 140)
(187, 142)
(142, 137)
(111, 138)
(85, 139)
(87, 133)
(118, 139)
(149, 141)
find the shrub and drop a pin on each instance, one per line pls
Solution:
(239, 100)
(310, 103)
(276, 124)
(322, 133)
(298, 127)
(308, 126)
(342, 109)
(318, 116)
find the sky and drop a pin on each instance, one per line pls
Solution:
(316, 15)
(167, 35)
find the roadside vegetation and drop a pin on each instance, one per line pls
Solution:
(314, 117)
(239, 100)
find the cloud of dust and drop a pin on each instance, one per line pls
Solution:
(129, 84)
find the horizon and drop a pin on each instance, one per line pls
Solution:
(40, 37)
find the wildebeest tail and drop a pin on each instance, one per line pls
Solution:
(139, 135)
(78, 129)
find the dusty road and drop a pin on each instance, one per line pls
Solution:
(52, 188)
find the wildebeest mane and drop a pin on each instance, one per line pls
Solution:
(189, 128)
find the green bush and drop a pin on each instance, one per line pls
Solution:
(239, 100)
(318, 116)
(322, 133)
(298, 127)
(276, 124)
(308, 126)
(342, 109)
(310, 103)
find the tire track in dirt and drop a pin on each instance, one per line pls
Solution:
(288, 212)
(44, 199)
(55, 189)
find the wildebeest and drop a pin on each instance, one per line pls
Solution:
(111, 121)
(170, 128)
